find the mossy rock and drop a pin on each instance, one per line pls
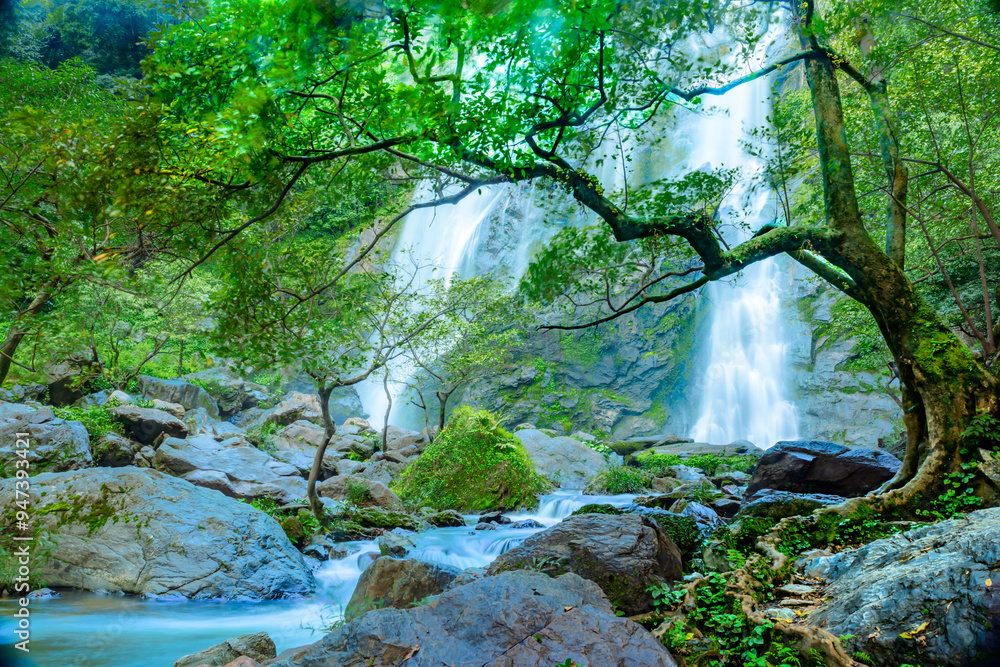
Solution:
(344, 530)
(596, 508)
(474, 464)
(294, 529)
(375, 517)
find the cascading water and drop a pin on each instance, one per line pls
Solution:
(743, 388)
(87, 629)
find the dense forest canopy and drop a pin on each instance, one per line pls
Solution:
(258, 122)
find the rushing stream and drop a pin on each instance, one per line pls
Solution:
(79, 629)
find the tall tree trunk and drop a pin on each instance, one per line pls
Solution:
(330, 430)
(16, 334)
(944, 386)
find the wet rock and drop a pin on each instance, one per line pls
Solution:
(624, 555)
(146, 424)
(705, 517)
(525, 524)
(112, 450)
(398, 583)
(486, 526)
(55, 444)
(446, 519)
(566, 461)
(145, 533)
(515, 619)
(258, 646)
(394, 544)
(812, 466)
(640, 443)
(781, 504)
(238, 472)
(927, 596)
(191, 396)
(494, 517)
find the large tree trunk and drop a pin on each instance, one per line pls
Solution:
(944, 386)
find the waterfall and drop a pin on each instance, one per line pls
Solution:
(744, 385)
(443, 241)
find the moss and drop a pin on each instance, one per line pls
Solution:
(682, 530)
(376, 517)
(293, 529)
(595, 508)
(474, 464)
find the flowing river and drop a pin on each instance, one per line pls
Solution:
(78, 629)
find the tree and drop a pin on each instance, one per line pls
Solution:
(482, 329)
(547, 84)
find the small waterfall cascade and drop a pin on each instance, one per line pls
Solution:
(744, 385)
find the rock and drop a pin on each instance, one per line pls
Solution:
(230, 392)
(665, 484)
(258, 646)
(176, 409)
(637, 444)
(726, 507)
(494, 517)
(53, 444)
(812, 466)
(414, 440)
(238, 472)
(939, 585)
(515, 619)
(394, 544)
(398, 583)
(566, 461)
(624, 555)
(117, 397)
(583, 436)
(733, 478)
(348, 467)
(189, 395)
(113, 450)
(146, 424)
(704, 516)
(807, 565)
(687, 474)
(382, 471)
(446, 519)
(359, 422)
(486, 526)
(360, 491)
(794, 590)
(294, 407)
(66, 379)
(467, 576)
(779, 614)
(526, 524)
(145, 533)
(781, 504)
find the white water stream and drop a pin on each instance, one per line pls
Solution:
(92, 630)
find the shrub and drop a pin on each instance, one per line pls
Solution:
(658, 464)
(474, 464)
(96, 419)
(619, 479)
(594, 508)
(682, 530)
(262, 436)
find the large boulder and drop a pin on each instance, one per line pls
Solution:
(566, 461)
(258, 646)
(191, 396)
(812, 466)
(145, 533)
(147, 424)
(516, 619)
(65, 381)
(929, 596)
(238, 472)
(398, 583)
(624, 555)
(52, 444)
(294, 407)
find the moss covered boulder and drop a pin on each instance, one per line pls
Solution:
(624, 555)
(474, 464)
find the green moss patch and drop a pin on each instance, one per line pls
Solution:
(474, 464)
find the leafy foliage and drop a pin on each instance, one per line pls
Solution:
(474, 464)
(97, 419)
(619, 479)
